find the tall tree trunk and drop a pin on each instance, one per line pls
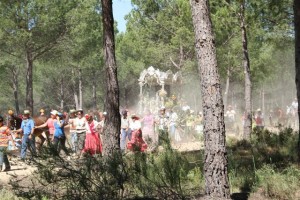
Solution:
(227, 88)
(94, 82)
(297, 59)
(29, 82)
(80, 88)
(15, 84)
(216, 164)
(75, 90)
(62, 94)
(111, 143)
(263, 100)
(246, 65)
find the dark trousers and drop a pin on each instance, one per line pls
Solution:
(59, 143)
(3, 157)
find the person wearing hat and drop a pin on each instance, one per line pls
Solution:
(162, 119)
(259, 120)
(14, 122)
(27, 127)
(73, 132)
(80, 126)
(148, 128)
(50, 124)
(137, 142)
(42, 112)
(230, 116)
(93, 143)
(59, 137)
(162, 122)
(135, 123)
(125, 130)
(4, 139)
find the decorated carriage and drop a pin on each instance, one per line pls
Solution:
(156, 86)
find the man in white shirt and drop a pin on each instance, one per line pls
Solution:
(230, 114)
(125, 130)
(80, 126)
(173, 123)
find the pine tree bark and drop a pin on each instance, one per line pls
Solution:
(227, 88)
(80, 88)
(248, 85)
(111, 144)
(15, 84)
(216, 164)
(62, 94)
(29, 80)
(94, 82)
(297, 59)
(74, 90)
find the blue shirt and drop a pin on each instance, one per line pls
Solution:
(59, 131)
(27, 125)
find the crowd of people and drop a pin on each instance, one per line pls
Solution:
(78, 134)
(276, 117)
(75, 134)
(84, 133)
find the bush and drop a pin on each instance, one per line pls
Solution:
(163, 175)
(278, 185)
(8, 195)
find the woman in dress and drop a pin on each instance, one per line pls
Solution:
(148, 128)
(92, 141)
(136, 143)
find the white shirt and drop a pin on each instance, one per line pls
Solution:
(124, 123)
(135, 125)
(173, 118)
(80, 124)
(230, 114)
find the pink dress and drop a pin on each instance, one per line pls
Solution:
(93, 143)
(148, 127)
(137, 143)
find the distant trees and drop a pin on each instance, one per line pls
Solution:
(216, 164)
(29, 29)
(44, 41)
(246, 65)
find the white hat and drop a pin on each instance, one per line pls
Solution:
(26, 112)
(53, 112)
(163, 108)
(72, 111)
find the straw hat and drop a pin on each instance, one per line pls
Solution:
(72, 111)
(26, 112)
(10, 112)
(134, 116)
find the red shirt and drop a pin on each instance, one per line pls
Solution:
(50, 124)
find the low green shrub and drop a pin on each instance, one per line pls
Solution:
(276, 184)
(8, 195)
(166, 174)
